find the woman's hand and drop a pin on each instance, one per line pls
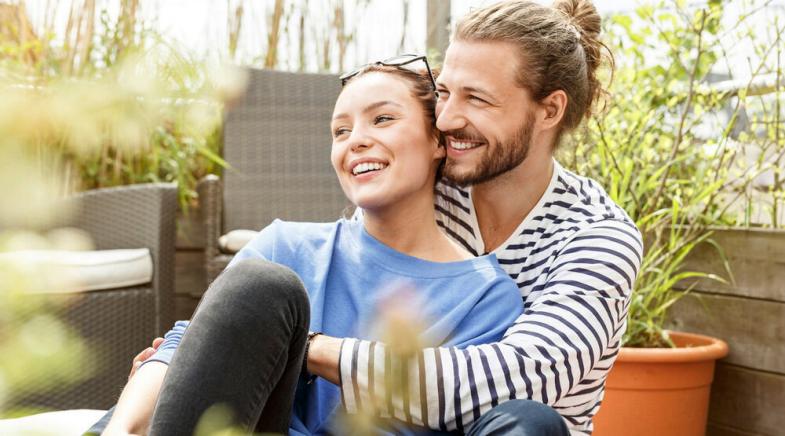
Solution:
(144, 355)
(323, 355)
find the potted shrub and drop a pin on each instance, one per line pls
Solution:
(666, 148)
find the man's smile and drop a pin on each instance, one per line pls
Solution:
(462, 146)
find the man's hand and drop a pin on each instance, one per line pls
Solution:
(144, 355)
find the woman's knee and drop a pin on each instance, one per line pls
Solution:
(261, 284)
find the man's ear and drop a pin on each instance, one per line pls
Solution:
(552, 109)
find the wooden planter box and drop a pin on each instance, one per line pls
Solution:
(748, 395)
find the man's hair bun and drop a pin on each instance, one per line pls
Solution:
(587, 21)
(582, 14)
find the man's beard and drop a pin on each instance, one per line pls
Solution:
(504, 157)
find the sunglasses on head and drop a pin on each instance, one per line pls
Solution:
(399, 61)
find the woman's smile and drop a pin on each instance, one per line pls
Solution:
(367, 168)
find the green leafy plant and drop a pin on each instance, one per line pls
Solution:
(94, 40)
(666, 147)
(182, 146)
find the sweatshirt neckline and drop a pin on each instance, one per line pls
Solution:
(404, 264)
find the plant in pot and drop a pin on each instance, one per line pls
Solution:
(665, 148)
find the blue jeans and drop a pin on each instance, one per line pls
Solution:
(261, 371)
(520, 418)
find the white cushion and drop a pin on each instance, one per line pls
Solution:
(66, 271)
(233, 241)
(62, 423)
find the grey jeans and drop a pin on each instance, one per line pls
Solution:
(243, 349)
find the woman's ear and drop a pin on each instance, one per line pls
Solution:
(441, 151)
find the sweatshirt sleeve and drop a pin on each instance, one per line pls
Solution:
(574, 327)
(172, 339)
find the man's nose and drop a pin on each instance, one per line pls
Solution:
(449, 116)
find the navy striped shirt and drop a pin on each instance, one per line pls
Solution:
(575, 258)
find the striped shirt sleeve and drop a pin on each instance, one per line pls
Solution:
(577, 315)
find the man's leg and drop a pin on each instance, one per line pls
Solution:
(243, 348)
(520, 418)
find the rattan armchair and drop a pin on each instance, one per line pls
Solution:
(277, 141)
(116, 323)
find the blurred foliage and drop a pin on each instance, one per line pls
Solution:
(175, 133)
(81, 116)
(37, 350)
(100, 35)
(668, 146)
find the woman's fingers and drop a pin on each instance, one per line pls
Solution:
(144, 355)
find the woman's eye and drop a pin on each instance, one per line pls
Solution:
(477, 99)
(340, 131)
(382, 118)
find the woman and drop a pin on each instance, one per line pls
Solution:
(246, 342)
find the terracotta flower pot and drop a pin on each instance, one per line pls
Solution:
(660, 391)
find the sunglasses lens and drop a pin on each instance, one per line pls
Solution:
(345, 77)
(399, 60)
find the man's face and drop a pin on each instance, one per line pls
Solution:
(486, 116)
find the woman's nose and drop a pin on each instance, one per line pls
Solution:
(359, 140)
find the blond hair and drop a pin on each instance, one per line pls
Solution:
(558, 49)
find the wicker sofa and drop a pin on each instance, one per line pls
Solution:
(277, 141)
(115, 323)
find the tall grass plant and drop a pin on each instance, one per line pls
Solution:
(669, 145)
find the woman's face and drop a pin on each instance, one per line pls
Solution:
(383, 151)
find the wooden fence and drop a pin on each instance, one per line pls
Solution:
(748, 395)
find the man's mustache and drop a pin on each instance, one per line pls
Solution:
(464, 135)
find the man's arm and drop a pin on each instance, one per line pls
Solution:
(572, 328)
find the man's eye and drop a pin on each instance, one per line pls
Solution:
(442, 94)
(477, 99)
(382, 118)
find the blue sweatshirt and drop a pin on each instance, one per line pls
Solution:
(349, 274)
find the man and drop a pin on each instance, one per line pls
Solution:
(516, 77)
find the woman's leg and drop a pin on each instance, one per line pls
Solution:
(243, 348)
